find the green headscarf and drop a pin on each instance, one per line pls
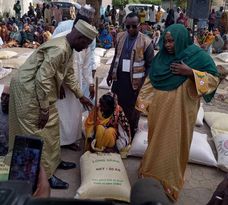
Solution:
(160, 74)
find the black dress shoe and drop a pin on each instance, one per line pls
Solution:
(74, 147)
(56, 183)
(66, 165)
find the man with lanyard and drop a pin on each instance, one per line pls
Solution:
(130, 65)
(69, 108)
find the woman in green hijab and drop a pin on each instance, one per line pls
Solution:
(180, 74)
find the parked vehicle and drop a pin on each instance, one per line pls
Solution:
(65, 6)
(137, 7)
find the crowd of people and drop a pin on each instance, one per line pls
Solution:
(58, 77)
(33, 28)
(38, 24)
(211, 32)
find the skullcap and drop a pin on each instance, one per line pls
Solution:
(86, 29)
(87, 11)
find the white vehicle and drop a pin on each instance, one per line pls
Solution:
(137, 7)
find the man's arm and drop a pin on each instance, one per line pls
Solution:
(44, 76)
(70, 80)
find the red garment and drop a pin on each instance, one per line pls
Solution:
(183, 20)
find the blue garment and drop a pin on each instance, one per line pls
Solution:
(105, 38)
(202, 23)
(16, 36)
(20, 25)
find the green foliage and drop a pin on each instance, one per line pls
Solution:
(119, 3)
(156, 2)
(134, 1)
(181, 3)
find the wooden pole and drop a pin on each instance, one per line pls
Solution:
(88, 141)
(95, 111)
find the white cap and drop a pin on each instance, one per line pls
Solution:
(87, 11)
(86, 29)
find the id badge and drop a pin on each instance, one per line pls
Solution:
(126, 65)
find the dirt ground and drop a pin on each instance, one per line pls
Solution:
(200, 181)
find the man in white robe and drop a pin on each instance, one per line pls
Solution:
(69, 108)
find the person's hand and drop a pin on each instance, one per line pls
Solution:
(62, 92)
(43, 187)
(222, 71)
(181, 69)
(87, 104)
(91, 91)
(109, 80)
(43, 118)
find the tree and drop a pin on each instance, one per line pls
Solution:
(156, 2)
(119, 3)
(181, 3)
(96, 4)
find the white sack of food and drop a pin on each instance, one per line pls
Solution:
(200, 150)
(143, 124)
(217, 120)
(103, 84)
(97, 61)
(103, 176)
(223, 57)
(139, 144)
(100, 52)
(110, 53)
(221, 144)
(4, 72)
(109, 61)
(200, 116)
(7, 54)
